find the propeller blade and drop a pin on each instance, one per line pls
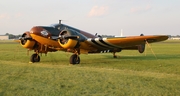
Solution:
(71, 37)
(68, 37)
(25, 38)
(17, 40)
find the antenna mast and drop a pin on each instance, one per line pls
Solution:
(59, 22)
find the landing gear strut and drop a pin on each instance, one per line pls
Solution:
(114, 55)
(74, 59)
(35, 58)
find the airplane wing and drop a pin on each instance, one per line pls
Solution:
(123, 42)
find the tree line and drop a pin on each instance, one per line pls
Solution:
(11, 36)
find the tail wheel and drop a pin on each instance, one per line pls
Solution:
(74, 59)
(35, 58)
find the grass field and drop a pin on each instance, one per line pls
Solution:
(98, 74)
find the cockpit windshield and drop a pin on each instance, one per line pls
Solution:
(53, 31)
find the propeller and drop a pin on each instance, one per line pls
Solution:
(24, 38)
(64, 36)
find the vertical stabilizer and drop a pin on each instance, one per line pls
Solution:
(121, 33)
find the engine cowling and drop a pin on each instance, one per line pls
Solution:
(26, 41)
(68, 39)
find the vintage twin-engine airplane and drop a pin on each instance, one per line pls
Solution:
(61, 37)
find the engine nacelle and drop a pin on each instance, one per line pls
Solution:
(70, 43)
(68, 39)
(26, 41)
(29, 44)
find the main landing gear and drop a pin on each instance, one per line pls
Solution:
(114, 55)
(35, 58)
(74, 59)
(114, 52)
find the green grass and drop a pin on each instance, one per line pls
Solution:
(98, 74)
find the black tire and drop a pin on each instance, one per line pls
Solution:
(35, 58)
(74, 59)
(141, 47)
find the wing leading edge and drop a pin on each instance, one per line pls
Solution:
(124, 42)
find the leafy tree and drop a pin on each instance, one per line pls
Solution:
(11, 36)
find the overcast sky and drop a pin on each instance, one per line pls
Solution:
(105, 17)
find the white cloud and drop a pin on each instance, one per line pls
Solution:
(17, 15)
(98, 11)
(9, 16)
(140, 9)
(4, 16)
(148, 7)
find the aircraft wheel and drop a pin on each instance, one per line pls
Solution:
(35, 58)
(74, 59)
